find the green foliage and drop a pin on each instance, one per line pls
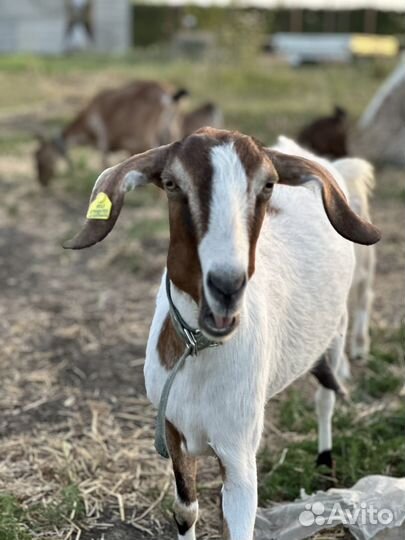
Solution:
(283, 482)
(70, 506)
(360, 448)
(158, 23)
(370, 443)
(154, 24)
(296, 413)
(19, 523)
(11, 515)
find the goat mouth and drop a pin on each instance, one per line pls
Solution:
(214, 325)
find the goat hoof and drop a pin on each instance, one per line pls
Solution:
(325, 458)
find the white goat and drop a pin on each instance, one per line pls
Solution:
(359, 180)
(359, 177)
(263, 273)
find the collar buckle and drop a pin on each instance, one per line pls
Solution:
(193, 338)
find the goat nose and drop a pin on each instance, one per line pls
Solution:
(226, 288)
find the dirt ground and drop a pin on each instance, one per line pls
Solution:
(73, 328)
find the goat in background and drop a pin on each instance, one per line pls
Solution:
(133, 118)
(327, 136)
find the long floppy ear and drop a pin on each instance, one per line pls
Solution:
(109, 191)
(296, 171)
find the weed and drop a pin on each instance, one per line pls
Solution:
(17, 523)
(11, 519)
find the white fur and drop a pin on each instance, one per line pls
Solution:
(359, 177)
(292, 311)
(188, 513)
(225, 246)
(190, 534)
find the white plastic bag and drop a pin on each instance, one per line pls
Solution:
(373, 508)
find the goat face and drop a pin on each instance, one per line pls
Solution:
(218, 185)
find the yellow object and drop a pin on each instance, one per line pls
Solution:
(370, 45)
(100, 208)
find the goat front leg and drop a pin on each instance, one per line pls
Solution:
(239, 495)
(185, 509)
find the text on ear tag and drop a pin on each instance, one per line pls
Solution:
(100, 208)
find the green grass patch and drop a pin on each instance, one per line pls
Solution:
(375, 446)
(379, 381)
(297, 414)
(20, 523)
(364, 444)
(70, 506)
(12, 526)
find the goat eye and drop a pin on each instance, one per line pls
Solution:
(268, 186)
(170, 185)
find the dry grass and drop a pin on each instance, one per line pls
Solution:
(113, 468)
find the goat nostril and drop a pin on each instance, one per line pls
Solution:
(226, 286)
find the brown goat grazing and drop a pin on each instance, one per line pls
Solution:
(327, 136)
(133, 118)
(207, 114)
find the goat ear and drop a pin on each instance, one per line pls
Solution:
(110, 189)
(296, 171)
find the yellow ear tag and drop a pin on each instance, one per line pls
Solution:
(100, 208)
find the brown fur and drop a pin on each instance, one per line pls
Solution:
(254, 162)
(131, 114)
(327, 136)
(134, 118)
(186, 488)
(185, 470)
(194, 155)
(250, 154)
(293, 171)
(255, 226)
(183, 263)
(170, 346)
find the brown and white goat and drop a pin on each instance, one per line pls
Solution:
(134, 118)
(262, 266)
